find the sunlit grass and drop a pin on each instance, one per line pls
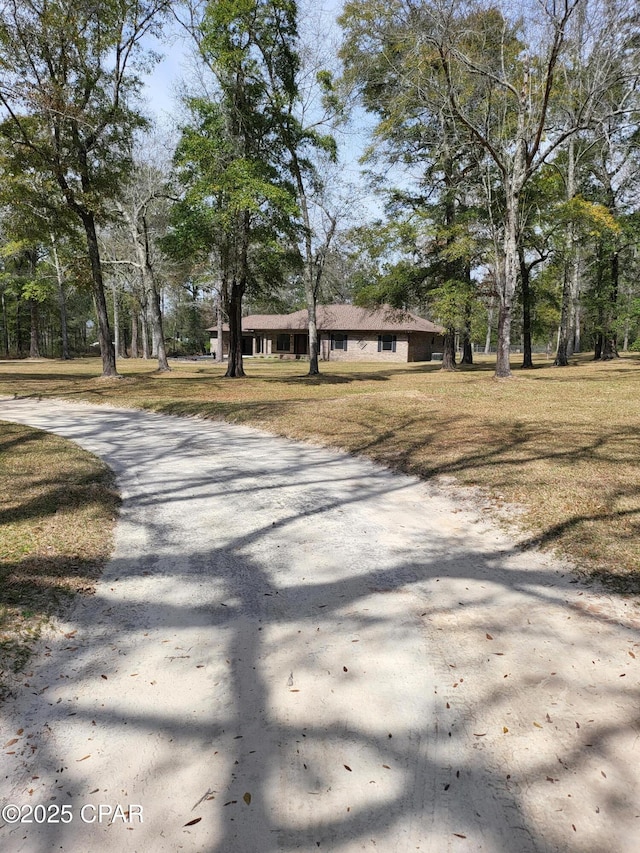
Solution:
(562, 443)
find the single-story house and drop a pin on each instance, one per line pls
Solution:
(345, 333)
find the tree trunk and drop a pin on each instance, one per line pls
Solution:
(467, 349)
(156, 320)
(314, 369)
(116, 320)
(5, 326)
(107, 350)
(133, 351)
(144, 329)
(34, 343)
(313, 266)
(152, 293)
(570, 278)
(503, 365)
(507, 284)
(598, 347)
(562, 354)
(449, 350)
(220, 330)
(62, 302)
(487, 340)
(509, 267)
(507, 289)
(610, 348)
(525, 273)
(235, 368)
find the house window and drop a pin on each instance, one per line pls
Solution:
(283, 343)
(387, 343)
(339, 340)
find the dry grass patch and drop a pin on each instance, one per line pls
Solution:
(562, 443)
(57, 511)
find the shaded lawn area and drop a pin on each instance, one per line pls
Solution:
(57, 512)
(562, 443)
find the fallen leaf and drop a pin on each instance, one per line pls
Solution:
(479, 735)
(537, 725)
(20, 731)
(84, 758)
(459, 835)
(505, 730)
(386, 767)
(632, 655)
(11, 742)
(346, 767)
(104, 676)
(603, 774)
(94, 791)
(247, 798)
(488, 636)
(195, 820)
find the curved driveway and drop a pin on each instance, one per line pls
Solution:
(293, 649)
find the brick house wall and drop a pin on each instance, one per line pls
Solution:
(363, 346)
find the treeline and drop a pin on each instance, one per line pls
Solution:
(513, 131)
(506, 150)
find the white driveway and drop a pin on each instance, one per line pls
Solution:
(293, 649)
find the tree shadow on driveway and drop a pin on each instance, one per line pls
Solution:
(295, 650)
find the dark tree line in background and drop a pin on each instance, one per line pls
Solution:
(506, 153)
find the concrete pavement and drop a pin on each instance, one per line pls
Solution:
(293, 649)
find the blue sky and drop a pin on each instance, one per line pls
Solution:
(162, 90)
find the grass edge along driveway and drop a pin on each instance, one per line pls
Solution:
(58, 508)
(561, 444)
